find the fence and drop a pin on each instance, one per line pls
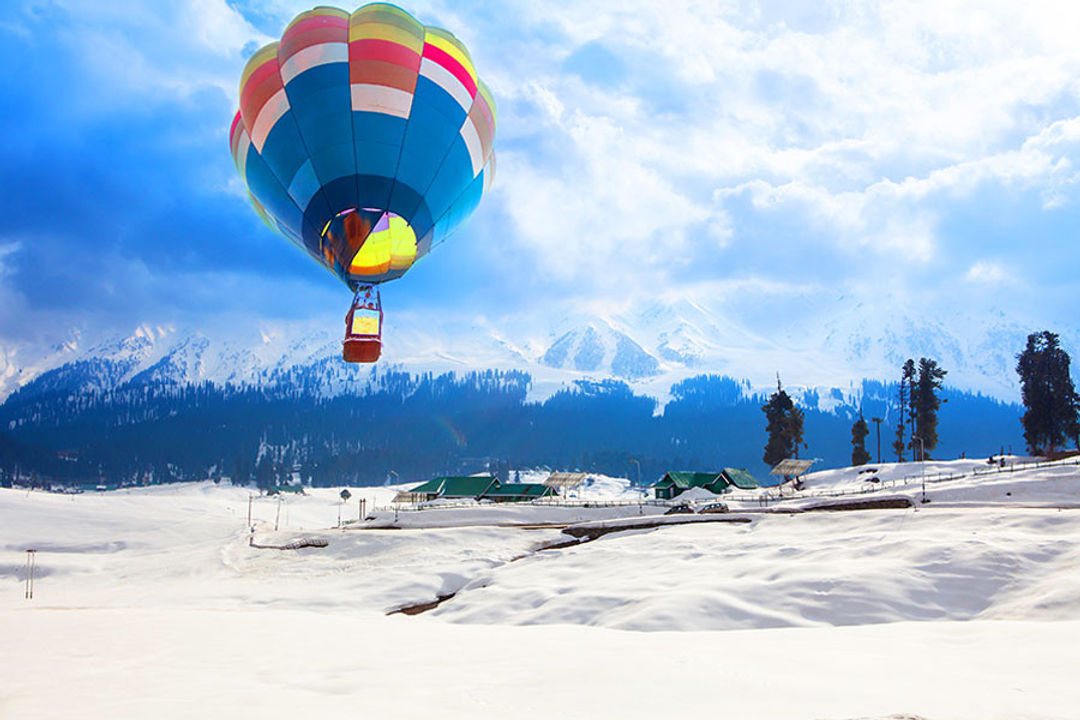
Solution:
(542, 502)
(936, 477)
(766, 498)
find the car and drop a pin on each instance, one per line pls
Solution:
(717, 507)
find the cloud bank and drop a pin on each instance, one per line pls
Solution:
(672, 150)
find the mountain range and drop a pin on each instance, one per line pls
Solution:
(651, 347)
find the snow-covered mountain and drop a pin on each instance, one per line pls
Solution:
(598, 347)
(833, 345)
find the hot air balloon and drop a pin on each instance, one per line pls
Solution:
(366, 139)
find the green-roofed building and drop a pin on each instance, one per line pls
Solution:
(675, 483)
(470, 487)
(517, 492)
(740, 478)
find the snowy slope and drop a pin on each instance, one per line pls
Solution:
(150, 603)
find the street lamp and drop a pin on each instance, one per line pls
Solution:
(635, 461)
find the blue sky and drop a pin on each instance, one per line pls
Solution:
(916, 154)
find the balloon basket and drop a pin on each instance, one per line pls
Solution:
(363, 327)
(361, 351)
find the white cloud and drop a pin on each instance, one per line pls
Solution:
(988, 272)
(868, 122)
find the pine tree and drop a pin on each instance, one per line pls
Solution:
(924, 402)
(907, 379)
(784, 425)
(1050, 400)
(859, 431)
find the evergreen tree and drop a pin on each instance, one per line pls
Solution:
(924, 402)
(1050, 400)
(859, 431)
(784, 425)
(909, 373)
(264, 473)
(907, 379)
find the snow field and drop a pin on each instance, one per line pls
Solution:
(851, 568)
(149, 603)
(175, 663)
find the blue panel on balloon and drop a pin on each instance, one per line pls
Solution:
(334, 161)
(322, 105)
(324, 125)
(375, 158)
(321, 77)
(453, 177)
(265, 186)
(433, 97)
(284, 149)
(427, 139)
(373, 191)
(377, 127)
(339, 187)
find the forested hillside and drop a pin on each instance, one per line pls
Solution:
(410, 427)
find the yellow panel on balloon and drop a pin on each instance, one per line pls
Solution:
(374, 255)
(392, 245)
(365, 325)
(402, 244)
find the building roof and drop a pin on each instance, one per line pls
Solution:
(457, 486)
(523, 490)
(792, 466)
(684, 479)
(740, 478)
(565, 480)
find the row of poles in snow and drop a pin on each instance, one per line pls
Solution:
(31, 565)
(31, 555)
(361, 507)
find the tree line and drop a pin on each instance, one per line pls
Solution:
(1051, 415)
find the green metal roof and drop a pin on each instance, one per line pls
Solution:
(740, 478)
(457, 486)
(685, 480)
(526, 490)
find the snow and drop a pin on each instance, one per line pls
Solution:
(697, 495)
(652, 345)
(150, 603)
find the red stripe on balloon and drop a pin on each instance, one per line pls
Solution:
(268, 69)
(385, 51)
(447, 61)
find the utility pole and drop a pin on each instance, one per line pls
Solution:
(922, 461)
(877, 421)
(635, 461)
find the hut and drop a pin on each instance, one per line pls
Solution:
(740, 478)
(674, 484)
(471, 487)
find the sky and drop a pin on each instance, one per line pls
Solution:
(775, 157)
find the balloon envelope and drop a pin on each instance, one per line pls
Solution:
(364, 137)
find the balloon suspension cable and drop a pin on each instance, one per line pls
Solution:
(367, 297)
